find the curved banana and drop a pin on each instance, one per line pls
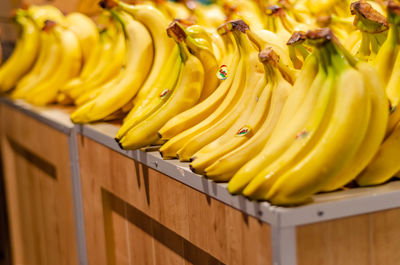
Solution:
(304, 140)
(251, 119)
(69, 67)
(185, 95)
(138, 61)
(385, 163)
(201, 111)
(328, 158)
(40, 13)
(24, 55)
(297, 111)
(140, 110)
(282, 105)
(103, 65)
(224, 99)
(253, 72)
(375, 132)
(160, 78)
(37, 70)
(86, 31)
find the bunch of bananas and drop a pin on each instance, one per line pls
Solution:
(283, 99)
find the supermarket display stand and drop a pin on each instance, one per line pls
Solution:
(115, 210)
(37, 151)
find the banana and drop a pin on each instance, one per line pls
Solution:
(242, 128)
(141, 111)
(201, 111)
(251, 119)
(224, 98)
(138, 61)
(328, 158)
(209, 62)
(69, 67)
(373, 27)
(165, 70)
(38, 69)
(109, 58)
(24, 55)
(297, 111)
(86, 31)
(375, 132)
(185, 95)
(305, 140)
(40, 13)
(385, 163)
(252, 73)
(385, 59)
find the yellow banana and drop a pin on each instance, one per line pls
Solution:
(141, 111)
(24, 55)
(110, 58)
(385, 163)
(41, 65)
(198, 117)
(185, 95)
(86, 31)
(46, 91)
(328, 158)
(253, 72)
(385, 59)
(375, 132)
(227, 166)
(304, 141)
(251, 119)
(296, 113)
(160, 78)
(138, 61)
(201, 111)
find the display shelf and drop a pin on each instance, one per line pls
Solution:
(325, 206)
(35, 144)
(353, 226)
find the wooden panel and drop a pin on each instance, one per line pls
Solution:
(385, 239)
(160, 220)
(369, 239)
(38, 191)
(343, 241)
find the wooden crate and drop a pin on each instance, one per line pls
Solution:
(38, 190)
(136, 215)
(132, 207)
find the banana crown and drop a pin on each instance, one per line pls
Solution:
(367, 19)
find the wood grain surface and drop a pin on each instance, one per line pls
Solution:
(38, 191)
(369, 239)
(136, 215)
